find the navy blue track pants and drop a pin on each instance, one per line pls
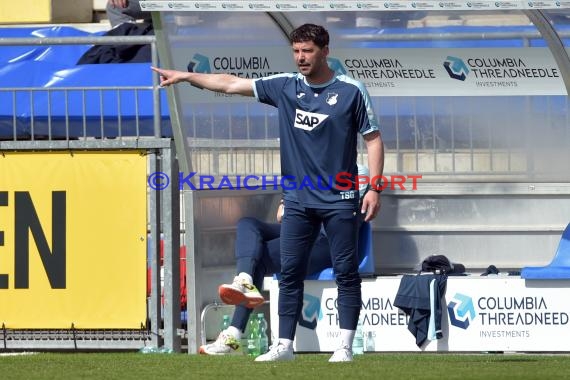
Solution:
(299, 228)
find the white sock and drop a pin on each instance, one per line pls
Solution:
(246, 277)
(288, 343)
(347, 337)
(233, 331)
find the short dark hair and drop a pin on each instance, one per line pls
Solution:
(310, 32)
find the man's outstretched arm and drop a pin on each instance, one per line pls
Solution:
(225, 83)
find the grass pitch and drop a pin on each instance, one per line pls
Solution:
(306, 366)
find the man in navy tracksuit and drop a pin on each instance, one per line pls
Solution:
(321, 114)
(258, 254)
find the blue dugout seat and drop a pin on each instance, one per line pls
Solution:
(366, 265)
(559, 267)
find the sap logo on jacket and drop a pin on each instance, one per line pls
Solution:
(308, 120)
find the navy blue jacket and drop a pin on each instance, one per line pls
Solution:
(413, 298)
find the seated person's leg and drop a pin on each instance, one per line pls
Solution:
(255, 257)
(267, 265)
(250, 248)
(251, 238)
(134, 10)
(131, 13)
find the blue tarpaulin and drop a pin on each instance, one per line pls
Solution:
(53, 67)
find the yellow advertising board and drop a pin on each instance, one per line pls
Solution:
(72, 240)
(46, 11)
(35, 11)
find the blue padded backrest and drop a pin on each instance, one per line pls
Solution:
(559, 267)
(562, 256)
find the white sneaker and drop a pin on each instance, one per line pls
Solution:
(224, 344)
(343, 354)
(240, 292)
(277, 352)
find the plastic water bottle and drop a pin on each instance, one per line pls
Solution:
(370, 341)
(148, 350)
(225, 322)
(164, 350)
(253, 338)
(263, 339)
(244, 338)
(358, 343)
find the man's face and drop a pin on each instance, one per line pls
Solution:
(309, 58)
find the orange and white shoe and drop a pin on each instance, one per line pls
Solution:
(240, 292)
